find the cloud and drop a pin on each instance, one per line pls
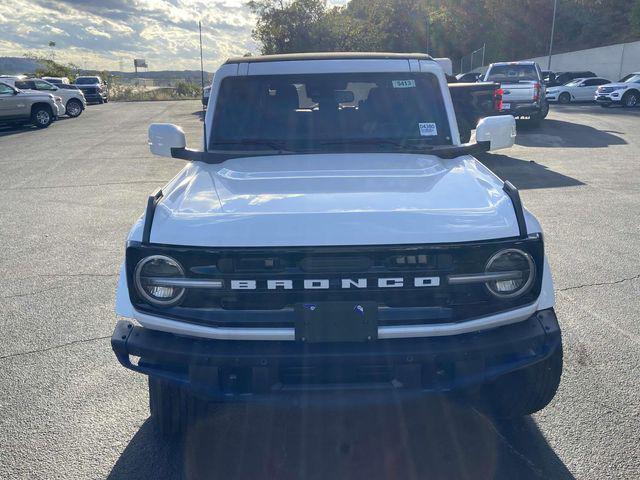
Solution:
(97, 33)
(104, 34)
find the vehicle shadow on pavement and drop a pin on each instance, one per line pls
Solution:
(200, 114)
(436, 439)
(590, 107)
(526, 174)
(560, 134)
(12, 130)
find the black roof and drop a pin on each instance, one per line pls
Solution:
(330, 56)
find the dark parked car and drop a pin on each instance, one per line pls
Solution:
(473, 101)
(94, 89)
(468, 77)
(560, 78)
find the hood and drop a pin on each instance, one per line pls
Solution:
(333, 199)
(616, 85)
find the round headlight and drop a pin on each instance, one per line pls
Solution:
(518, 271)
(153, 277)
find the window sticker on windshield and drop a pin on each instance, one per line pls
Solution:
(428, 129)
(404, 83)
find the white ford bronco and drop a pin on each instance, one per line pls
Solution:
(335, 241)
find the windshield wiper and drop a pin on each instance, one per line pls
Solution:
(375, 142)
(272, 144)
(219, 156)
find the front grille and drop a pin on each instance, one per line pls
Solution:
(411, 303)
(89, 90)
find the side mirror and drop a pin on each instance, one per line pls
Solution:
(165, 136)
(499, 131)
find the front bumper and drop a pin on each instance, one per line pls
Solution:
(608, 98)
(256, 371)
(94, 97)
(61, 109)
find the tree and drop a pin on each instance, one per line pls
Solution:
(634, 17)
(50, 68)
(291, 26)
(511, 30)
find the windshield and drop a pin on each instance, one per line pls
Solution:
(512, 73)
(633, 78)
(324, 111)
(87, 80)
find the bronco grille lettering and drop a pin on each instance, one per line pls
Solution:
(342, 283)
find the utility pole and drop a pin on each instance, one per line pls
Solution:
(427, 34)
(201, 57)
(553, 29)
(204, 124)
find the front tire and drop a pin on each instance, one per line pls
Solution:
(74, 108)
(564, 98)
(631, 99)
(525, 391)
(174, 409)
(544, 110)
(42, 116)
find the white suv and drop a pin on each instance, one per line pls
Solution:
(336, 237)
(625, 92)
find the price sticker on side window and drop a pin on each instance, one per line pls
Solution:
(428, 129)
(404, 84)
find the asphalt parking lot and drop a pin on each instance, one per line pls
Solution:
(68, 410)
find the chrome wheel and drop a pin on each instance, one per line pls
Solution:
(74, 109)
(43, 117)
(631, 100)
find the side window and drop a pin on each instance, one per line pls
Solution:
(25, 85)
(5, 90)
(590, 83)
(40, 85)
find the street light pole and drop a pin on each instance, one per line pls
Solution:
(553, 29)
(427, 34)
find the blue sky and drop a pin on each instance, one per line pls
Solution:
(105, 33)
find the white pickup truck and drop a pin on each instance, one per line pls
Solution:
(335, 241)
(524, 94)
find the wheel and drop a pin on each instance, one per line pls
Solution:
(525, 391)
(544, 110)
(631, 99)
(173, 409)
(74, 108)
(464, 129)
(100, 101)
(41, 116)
(106, 100)
(564, 98)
